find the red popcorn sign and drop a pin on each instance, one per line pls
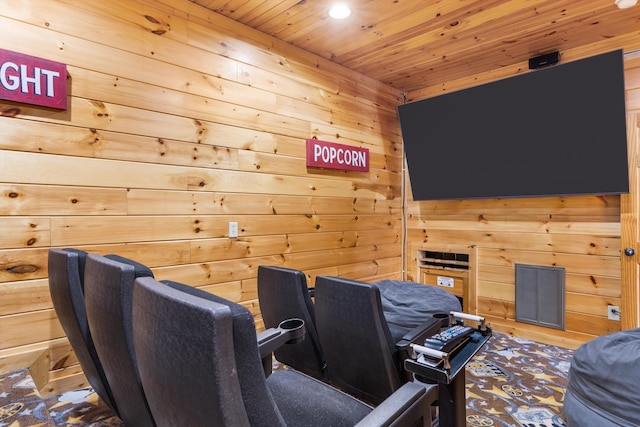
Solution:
(32, 80)
(331, 155)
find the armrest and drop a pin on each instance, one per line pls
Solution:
(420, 333)
(410, 405)
(290, 331)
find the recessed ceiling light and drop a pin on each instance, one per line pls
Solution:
(339, 11)
(623, 4)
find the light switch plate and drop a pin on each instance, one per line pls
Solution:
(233, 229)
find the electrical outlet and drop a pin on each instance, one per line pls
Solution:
(233, 229)
(613, 312)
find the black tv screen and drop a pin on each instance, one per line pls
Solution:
(550, 132)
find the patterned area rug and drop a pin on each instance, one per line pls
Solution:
(20, 403)
(510, 383)
(81, 408)
(514, 382)
(22, 406)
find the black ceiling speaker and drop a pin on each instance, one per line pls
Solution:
(544, 60)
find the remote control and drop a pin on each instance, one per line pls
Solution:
(450, 338)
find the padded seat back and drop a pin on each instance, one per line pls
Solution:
(66, 285)
(186, 354)
(260, 408)
(283, 294)
(361, 355)
(109, 296)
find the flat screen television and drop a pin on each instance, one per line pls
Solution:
(554, 131)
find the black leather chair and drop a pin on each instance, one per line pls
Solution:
(109, 296)
(200, 361)
(66, 285)
(362, 357)
(283, 294)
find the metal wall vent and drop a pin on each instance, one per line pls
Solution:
(540, 295)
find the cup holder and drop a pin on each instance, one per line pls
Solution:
(444, 319)
(294, 328)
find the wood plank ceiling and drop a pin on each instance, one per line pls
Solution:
(412, 44)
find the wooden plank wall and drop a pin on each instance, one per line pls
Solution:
(180, 121)
(581, 234)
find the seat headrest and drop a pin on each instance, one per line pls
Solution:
(82, 261)
(140, 270)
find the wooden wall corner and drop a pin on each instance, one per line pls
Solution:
(36, 360)
(39, 369)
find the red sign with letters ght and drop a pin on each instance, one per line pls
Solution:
(32, 80)
(331, 155)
